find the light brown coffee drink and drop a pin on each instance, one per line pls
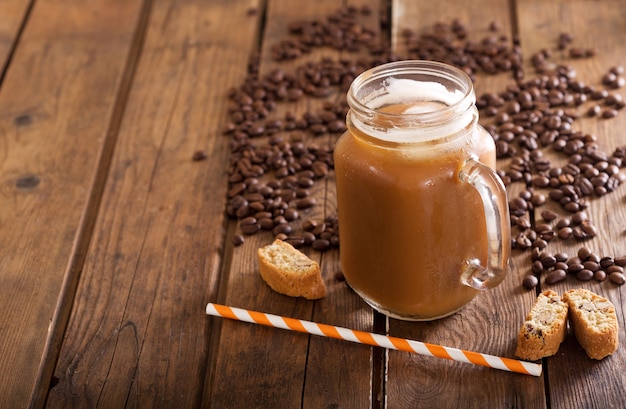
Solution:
(420, 209)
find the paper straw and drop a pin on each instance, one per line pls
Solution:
(369, 338)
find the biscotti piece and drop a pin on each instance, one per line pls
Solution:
(544, 329)
(594, 322)
(288, 271)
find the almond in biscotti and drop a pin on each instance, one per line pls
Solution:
(544, 329)
(594, 322)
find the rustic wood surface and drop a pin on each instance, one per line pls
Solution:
(113, 240)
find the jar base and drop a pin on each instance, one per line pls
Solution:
(404, 317)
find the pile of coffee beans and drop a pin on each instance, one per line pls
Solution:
(533, 115)
(585, 266)
(449, 43)
(341, 31)
(276, 161)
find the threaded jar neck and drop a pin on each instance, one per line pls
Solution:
(412, 102)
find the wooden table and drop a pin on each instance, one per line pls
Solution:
(113, 239)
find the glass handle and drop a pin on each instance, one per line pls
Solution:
(495, 203)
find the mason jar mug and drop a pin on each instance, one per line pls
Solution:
(423, 217)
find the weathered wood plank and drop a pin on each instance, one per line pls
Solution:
(138, 335)
(289, 359)
(599, 26)
(342, 374)
(13, 13)
(493, 318)
(57, 101)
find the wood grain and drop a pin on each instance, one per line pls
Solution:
(341, 374)
(494, 316)
(335, 373)
(587, 21)
(14, 13)
(57, 100)
(155, 255)
(112, 239)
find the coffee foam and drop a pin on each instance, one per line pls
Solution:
(406, 91)
(420, 98)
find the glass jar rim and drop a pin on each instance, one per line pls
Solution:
(432, 69)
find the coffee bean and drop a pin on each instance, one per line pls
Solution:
(614, 269)
(555, 276)
(548, 215)
(305, 203)
(266, 223)
(320, 244)
(584, 275)
(282, 228)
(561, 257)
(617, 278)
(291, 214)
(250, 228)
(523, 242)
(589, 230)
(542, 228)
(594, 110)
(609, 113)
(295, 241)
(281, 236)
(594, 257)
(579, 218)
(320, 169)
(575, 268)
(308, 238)
(606, 262)
(599, 275)
(319, 229)
(591, 265)
(547, 261)
(530, 282)
(584, 253)
(243, 211)
(237, 240)
(565, 233)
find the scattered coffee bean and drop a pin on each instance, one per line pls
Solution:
(237, 240)
(555, 276)
(530, 282)
(198, 156)
(320, 244)
(584, 275)
(599, 275)
(575, 268)
(617, 278)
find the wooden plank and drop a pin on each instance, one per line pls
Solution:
(489, 324)
(288, 359)
(138, 335)
(599, 26)
(57, 101)
(328, 384)
(14, 13)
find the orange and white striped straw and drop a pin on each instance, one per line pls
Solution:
(369, 338)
